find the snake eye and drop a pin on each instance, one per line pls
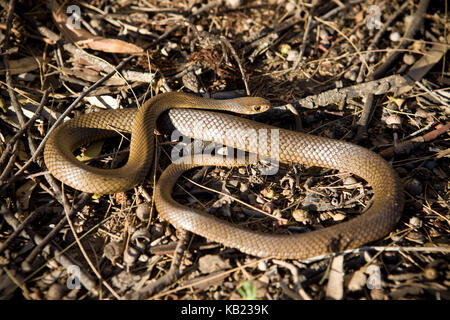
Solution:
(257, 108)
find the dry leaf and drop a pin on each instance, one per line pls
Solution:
(207, 281)
(335, 286)
(63, 24)
(113, 46)
(24, 194)
(23, 65)
(91, 151)
(85, 39)
(357, 281)
(104, 101)
(211, 263)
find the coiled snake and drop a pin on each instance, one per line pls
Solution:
(294, 147)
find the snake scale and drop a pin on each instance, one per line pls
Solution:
(294, 147)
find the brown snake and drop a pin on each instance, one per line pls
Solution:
(294, 147)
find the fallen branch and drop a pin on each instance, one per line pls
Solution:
(344, 95)
(406, 147)
(171, 275)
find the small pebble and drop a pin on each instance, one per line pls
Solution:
(210, 263)
(396, 237)
(414, 186)
(264, 279)
(194, 10)
(72, 294)
(143, 211)
(430, 164)
(56, 291)
(350, 75)
(339, 217)
(415, 222)
(233, 4)
(334, 202)
(260, 199)
(357, 281)
(289, 7)
(393, 120)
(416, 237)
(292, 55)
(421, 113)
(141, 238)
(268, 207)
(408, 19)
(302, 216)
(430, 273)
(243, 187)
(268, 193)
(157, 230)
(252, 198)
(262, 266)
(29, 77)
(323, 34)
(350, 182)
(95, 23)
(360, 34)
(130, 256)
(377, 294)
(409, 59)
(113, 250)
(395, 36)
(234, 183)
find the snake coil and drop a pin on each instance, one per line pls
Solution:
(294, 147)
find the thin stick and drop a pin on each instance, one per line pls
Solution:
(84, 198)
(58, 255)
(381, 248)
(377, 38)
(281, 220)
(14, 101)
(20, 228)
(65, 113)
(368, 109)
(171, 276)
(24, 128)
(218, 275)
(80, 246)
(235, 56)
(332, 26)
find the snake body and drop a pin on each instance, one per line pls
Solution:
(294, 147)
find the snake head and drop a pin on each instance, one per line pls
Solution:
(250, 105)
